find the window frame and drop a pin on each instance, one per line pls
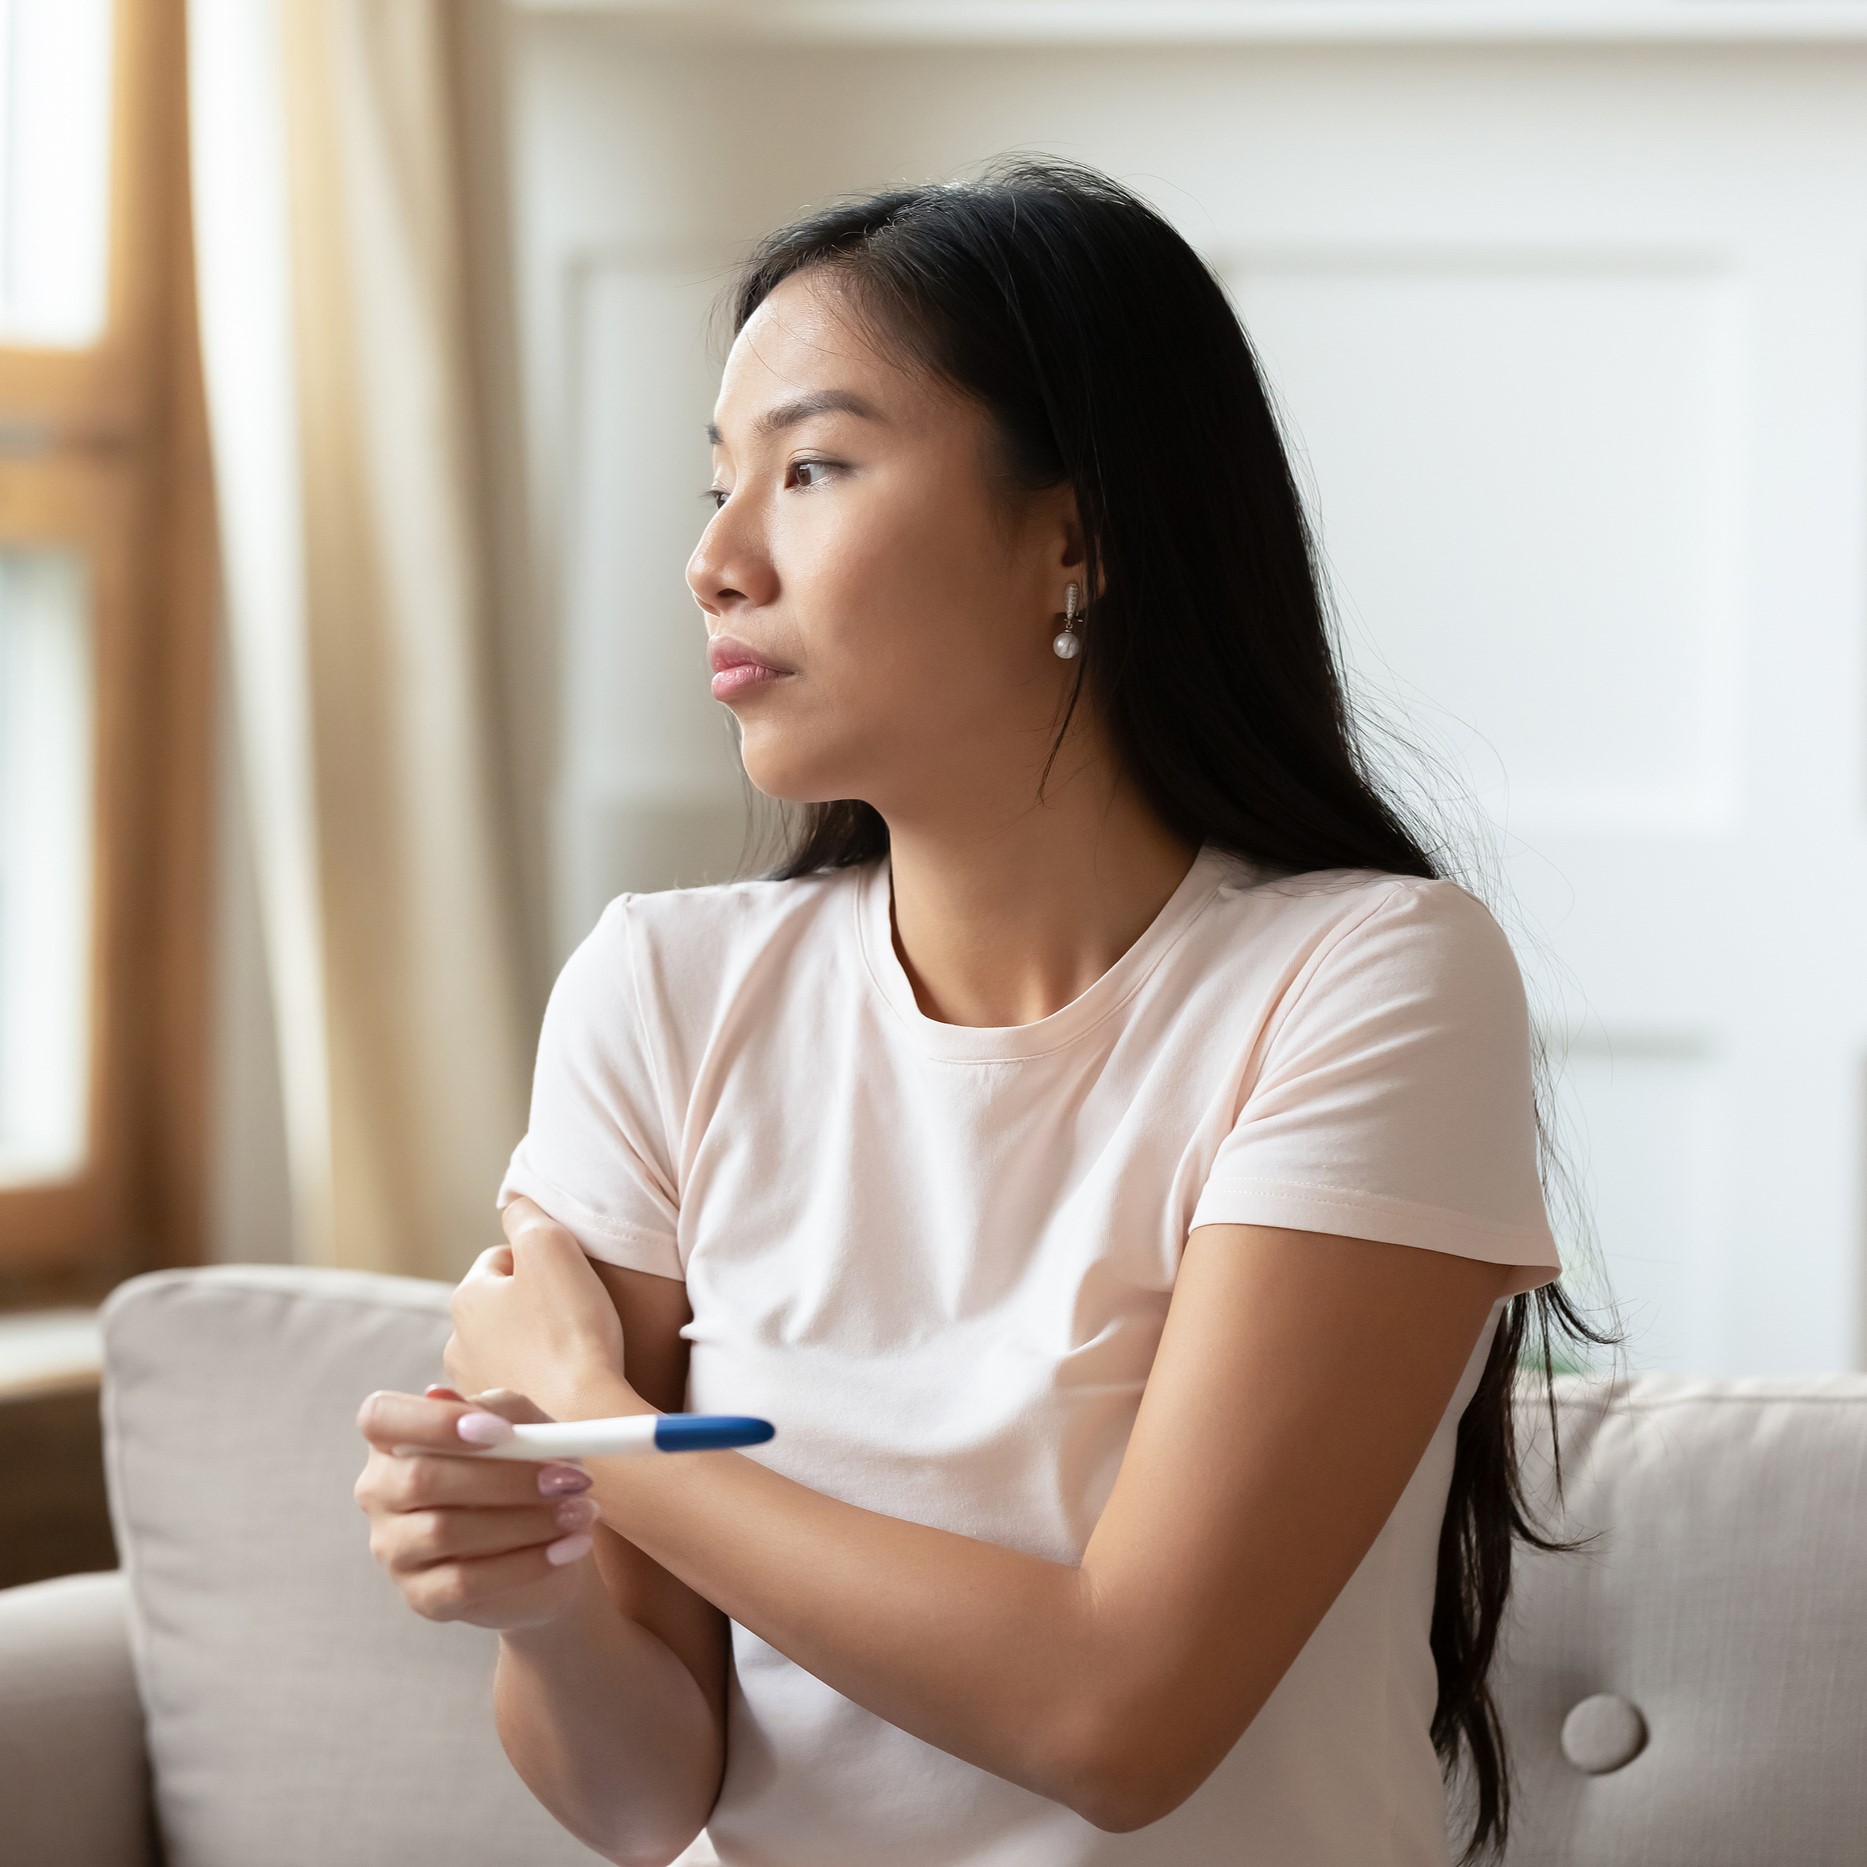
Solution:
(104, 449)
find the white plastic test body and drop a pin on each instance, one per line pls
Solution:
(623, 1437)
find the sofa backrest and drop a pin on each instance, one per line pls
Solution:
(1691, 1690)
(299, 1714)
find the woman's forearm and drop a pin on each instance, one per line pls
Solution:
(985, 1652)
(609, 1729)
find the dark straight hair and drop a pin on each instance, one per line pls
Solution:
(1110, 358)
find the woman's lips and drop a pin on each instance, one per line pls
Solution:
(743, 675)
(738, 666)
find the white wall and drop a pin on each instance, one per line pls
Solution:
(1572, 340)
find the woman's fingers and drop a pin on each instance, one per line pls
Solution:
(415, 1540)
(466, 1538)
(388, 1419)
(519, 1215)
(430, 1482)
(452, 1591)
(494, 1261)
(447, 1473)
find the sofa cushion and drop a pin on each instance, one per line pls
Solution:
(1691, 1691)
(299, 1713)
(74, 1779)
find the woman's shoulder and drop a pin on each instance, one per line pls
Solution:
(721, 915)
(1366, 912)
(1344, 893)
(689, 945)
(664, 966)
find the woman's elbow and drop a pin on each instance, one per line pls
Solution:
(1119, 1797)
(633, 1859)
(1118, 1784)
(642, 1847)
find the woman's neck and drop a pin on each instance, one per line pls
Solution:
(1007, 923)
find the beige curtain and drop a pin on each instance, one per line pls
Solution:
(353, 430)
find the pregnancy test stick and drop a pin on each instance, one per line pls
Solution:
(624, 1436)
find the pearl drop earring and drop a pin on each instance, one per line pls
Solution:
(1066, 643)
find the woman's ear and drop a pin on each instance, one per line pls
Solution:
(1075, 546)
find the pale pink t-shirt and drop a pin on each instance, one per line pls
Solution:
(939, 1257)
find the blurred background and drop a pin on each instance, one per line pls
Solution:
(354, 356)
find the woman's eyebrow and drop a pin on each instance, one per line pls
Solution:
(801, 408)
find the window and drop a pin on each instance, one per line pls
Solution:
(105, 604)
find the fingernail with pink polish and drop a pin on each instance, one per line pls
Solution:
(569, 1548)
(483, 1429)
(576, 1513)
(563, 1480)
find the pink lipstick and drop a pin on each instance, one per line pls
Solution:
(737, 667)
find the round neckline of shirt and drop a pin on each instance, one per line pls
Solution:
(1000, 1043)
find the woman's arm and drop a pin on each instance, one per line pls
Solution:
(615, 1715)
(1299, 1379)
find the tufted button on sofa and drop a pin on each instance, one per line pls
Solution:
(249, 1691)
(1603, 1733)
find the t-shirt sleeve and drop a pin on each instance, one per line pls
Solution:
(595, 1154)
(1394, 1097)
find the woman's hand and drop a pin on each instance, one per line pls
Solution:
(492, 1541)
(532, 1316)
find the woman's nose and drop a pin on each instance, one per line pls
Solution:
(728, 566)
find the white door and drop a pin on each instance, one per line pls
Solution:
(1571, 337)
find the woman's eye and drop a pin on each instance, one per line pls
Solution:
(716, 495)
(819, 467)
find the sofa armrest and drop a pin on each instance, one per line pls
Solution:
(74, 1776)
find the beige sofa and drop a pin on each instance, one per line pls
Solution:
(249, 1691)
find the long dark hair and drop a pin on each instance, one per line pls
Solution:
(1110, 358)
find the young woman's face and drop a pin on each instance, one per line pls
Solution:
(863, 543)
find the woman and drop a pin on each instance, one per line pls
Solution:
(1105, 1147)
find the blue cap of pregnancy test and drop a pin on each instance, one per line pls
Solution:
(709, 1432)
